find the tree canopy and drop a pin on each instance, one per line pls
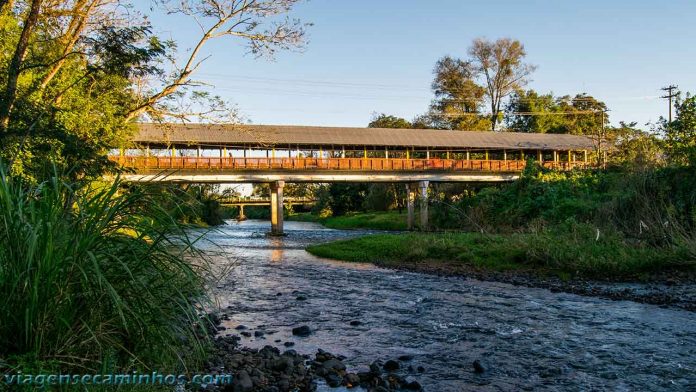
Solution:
(529, 111)
(680, 134)
(388, 121)
(75, 74)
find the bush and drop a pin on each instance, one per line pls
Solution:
(94, 279)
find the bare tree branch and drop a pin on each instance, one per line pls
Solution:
(243, 19)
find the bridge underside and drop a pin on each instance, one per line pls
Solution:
(270, 176)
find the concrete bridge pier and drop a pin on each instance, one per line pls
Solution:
(410, 205)
(277, 208)
(241, 216)
(422, 188)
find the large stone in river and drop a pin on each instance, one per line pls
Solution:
(391, 365)
(302, 330)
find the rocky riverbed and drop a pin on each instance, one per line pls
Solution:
(445, 332)
(675, 290)
(271, 370)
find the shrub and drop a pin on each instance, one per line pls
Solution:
(94, 278)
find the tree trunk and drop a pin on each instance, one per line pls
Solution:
(15, 67)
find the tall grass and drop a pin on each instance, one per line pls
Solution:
(94, 278)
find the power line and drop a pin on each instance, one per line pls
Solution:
(669, 96)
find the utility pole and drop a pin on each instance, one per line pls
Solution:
(670, 94)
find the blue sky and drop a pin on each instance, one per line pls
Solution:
(377, 56)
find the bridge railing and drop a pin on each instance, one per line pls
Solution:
(358, 164)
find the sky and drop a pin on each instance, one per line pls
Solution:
(365, 57)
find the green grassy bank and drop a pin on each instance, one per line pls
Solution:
(367, 220)
(577, 254)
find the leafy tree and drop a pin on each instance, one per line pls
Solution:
(458, 99)
(75, 74)
(680, 134)
(529, 111)
(633, 147)
(501, 65)
(387, 121)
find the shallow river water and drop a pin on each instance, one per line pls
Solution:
(528, 339)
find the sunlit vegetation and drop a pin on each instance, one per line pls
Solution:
(94, 278)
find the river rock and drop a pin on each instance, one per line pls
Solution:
(391, 365)
(322, 356)
(302, 330)
(355, 323)
(242, 383)
(283, 363)
(258, 334)
(351, 380)
(246, 334)
(240, 327)
(301, 298)
(334, 365)
(376, 368)
(333, 380)
(289, 344)
(405, 358)
(413, 386)
(478, 366)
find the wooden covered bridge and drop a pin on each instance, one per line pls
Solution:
(206, 153)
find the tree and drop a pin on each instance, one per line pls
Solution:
(75, 74)
(680, 134)
(458, 99)
(386, 121)
(633, 147)
(501, 64)
(529, 111)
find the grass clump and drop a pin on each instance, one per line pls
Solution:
(94, 279)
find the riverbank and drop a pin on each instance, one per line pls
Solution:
(267, 369)
(604, 267)
(391, 221)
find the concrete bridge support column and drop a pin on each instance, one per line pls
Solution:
(241, 216)
(423, 188)
(410, 205)
(277, 207)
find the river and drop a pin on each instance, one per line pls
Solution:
(527, 338)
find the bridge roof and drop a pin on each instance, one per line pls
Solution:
(300, 135)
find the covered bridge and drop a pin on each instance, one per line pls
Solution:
(207, 153)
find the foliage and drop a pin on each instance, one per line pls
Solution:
(93, 278)
(500, 65)
(634, 148)
(345, 198)
(458, 98)
(386, 121)
(655, 206)
(680, 134)
(75, 74)
(529, 111)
